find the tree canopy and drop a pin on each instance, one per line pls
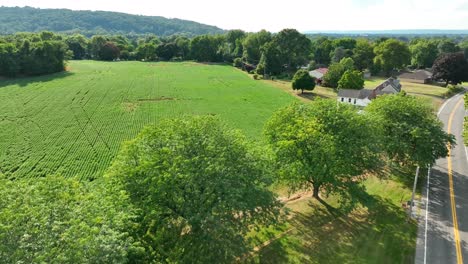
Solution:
(410, 132)
(392, 55)
(198, 187)
(351, 79)
(303, 81)
(28, 19)
(322, 146)
(451, 67)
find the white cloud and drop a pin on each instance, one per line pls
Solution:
(276, 15)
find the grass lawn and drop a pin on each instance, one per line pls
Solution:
(73, 123)
(431, 93)
(377, 232)
(319, 91)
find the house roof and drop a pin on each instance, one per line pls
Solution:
(389, 82)
(318, 73)
(351, 93)
(416, 75)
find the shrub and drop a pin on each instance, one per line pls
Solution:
(257, 76)
(453, 90)
(238, 62)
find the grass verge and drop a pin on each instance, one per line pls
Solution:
(378, 231)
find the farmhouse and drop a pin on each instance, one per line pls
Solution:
(364, 96)
(318, 74)
(419, 76)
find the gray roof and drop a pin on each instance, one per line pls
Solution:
(351, 93)
(416, 75)
(390, 81)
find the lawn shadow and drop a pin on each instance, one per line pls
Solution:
(405, 176)
(25, 81)
(311, 96)
(376, 232)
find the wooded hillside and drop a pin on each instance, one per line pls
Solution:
(28, 19)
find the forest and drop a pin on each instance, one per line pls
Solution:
(28, 19)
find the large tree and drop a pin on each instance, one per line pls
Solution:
(363, 54)
(59, 220)
(392, 55)
(451, 67)
(410, 131)
(253, 45)
(334, 74)
(323, 146)
(448, 46)
(303, 81)
(205, 48)
(423, 53)
(293, 48)
(351, 79)
(109, 51)
(78, 44)
(199, 188)
(323, 48)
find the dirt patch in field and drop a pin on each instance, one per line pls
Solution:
(162, 98)
(129, 107)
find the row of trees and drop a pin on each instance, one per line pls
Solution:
(32, 54)
(264, 52)
(189, 191)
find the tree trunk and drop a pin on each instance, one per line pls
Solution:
(316, 189)
(446, 83)
(302, 91)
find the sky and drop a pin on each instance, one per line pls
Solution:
(303, 15)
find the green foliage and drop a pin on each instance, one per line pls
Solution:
(453, 90)
(451, 67)
(109, 52)
(199, 189)
(58, 220)
(27, 19)
(348, 63)
(351, 80)
(303, 81)
(392, 55)
(423, 53)
(289, 48)
(338, 54)
(79, 45)
(205, 48)
(322, 145)
(238, 63)
(363, 54)
(253, 45)
(32, 54)
(73, 123)
(334, 74)
(447, 46)
(323, 48)
(410, 132)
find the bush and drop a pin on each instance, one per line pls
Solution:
(238, 62)
(257, 76)
(453, 90)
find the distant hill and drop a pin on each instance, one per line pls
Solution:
(435, 32)
(28, 19)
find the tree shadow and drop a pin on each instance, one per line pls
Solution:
(405, 175)
(377, 232)
(25, 81)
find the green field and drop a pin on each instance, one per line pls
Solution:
(73, 123)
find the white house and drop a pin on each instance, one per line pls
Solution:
(364, 96)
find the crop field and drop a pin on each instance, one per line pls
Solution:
(74, 123)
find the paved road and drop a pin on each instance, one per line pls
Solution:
(443, 225)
